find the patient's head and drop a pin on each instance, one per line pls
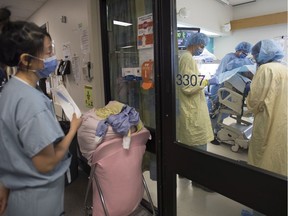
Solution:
(243, 49)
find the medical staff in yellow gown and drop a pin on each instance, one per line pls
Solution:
(267, 100)
(194, 125)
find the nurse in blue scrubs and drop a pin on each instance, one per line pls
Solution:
(33, 148)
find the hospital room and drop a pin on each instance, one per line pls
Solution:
(142, 107)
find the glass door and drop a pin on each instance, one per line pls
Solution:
(195, 177)
(128, 54)
(129, 45)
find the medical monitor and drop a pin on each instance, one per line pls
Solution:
(183, 33)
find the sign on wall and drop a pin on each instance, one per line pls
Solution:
(88, 96)
(145, 31)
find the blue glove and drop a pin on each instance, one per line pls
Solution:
(214, 81)
(247, 88)
(206, 92)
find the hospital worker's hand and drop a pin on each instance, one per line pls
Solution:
(75, 122)
(205, 83)
(4, 193)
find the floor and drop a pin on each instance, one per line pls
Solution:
(191, 200)
(194, 201)
(75, 195)
(75, 192)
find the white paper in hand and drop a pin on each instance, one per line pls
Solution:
(64, 99)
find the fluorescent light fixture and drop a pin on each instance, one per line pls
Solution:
(240, 2)
(127, 47)
(225, 2)
(208, 33)
(115, 22)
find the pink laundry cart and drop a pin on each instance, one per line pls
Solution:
(116, 176)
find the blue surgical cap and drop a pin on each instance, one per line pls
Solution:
(196, 39)
(267, 51)
(244, 46)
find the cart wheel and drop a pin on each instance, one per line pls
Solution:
(235, 148)
(88, 211)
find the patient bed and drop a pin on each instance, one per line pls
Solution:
(235, 130)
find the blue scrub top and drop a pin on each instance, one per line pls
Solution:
(226, 59)
(228, 63)
(27, 125)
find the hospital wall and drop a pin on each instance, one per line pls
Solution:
(258, 8)
(84, 15)
(79, 19)
(207, 14)
(225, 44)
(212, 16)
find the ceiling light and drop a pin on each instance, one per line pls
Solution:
(240, 2)
(127, 47)
(226, 2)
(208, 33)
(115, 22)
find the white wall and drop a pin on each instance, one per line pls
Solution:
(212, 15)
(226, 44)
(258, 8)
(79, 13)
(207, 14)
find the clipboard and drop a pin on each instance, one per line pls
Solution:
(66, 102)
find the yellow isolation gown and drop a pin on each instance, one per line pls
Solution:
(267, 100)
(194, 125)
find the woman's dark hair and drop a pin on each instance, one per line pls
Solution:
(20, 37)
(4, 15)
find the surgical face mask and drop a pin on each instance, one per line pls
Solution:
(242, 55)
(50, 65)
(198, 52)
